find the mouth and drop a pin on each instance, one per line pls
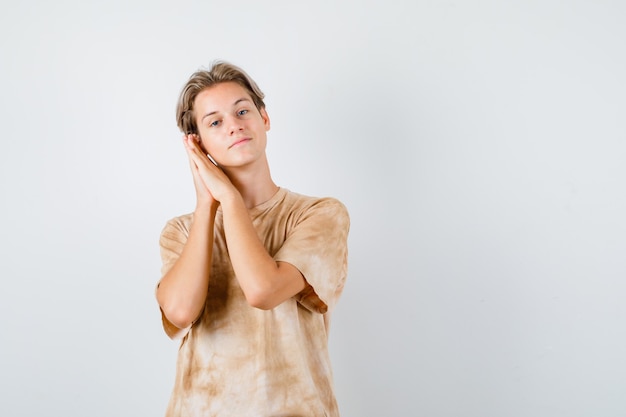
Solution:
(239, 142)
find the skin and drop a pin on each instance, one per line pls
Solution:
(234, 132)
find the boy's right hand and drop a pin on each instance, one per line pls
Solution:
(204, 198)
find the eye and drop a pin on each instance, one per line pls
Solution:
(242, 112)
(214, 123)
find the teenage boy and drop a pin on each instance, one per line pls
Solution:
(249, 279)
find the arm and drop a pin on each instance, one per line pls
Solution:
(265, 282)
(182, 291)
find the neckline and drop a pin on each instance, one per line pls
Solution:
(278, 195)
(264, 206)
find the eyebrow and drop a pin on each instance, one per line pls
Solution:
(234, 104)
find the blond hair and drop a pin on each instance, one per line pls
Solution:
(220, 72)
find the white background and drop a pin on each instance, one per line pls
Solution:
(479, 146)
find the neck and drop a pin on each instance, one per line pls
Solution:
(255, 185)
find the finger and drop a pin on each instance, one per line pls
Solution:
(200, 165)
(188, 150)
(194, 141)
(195, 162)
(193, 147)
(197, 142)
(197, 158)
(201, 158)
(188, 142)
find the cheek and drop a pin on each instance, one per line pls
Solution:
(205, 143)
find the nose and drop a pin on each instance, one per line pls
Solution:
(234, 125)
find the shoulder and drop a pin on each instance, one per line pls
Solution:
(178, 224)
(303, 199)
(305, 206)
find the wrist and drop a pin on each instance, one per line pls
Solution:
(231, 200)
(207, 209)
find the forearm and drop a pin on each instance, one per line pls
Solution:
(183, 289)
(264, 282)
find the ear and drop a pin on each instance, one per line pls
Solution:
(266, 119)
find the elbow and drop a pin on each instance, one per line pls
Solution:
(177, 315)
(263, 305)
(261, 300)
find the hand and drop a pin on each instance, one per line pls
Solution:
(203, 195)
(212, 185)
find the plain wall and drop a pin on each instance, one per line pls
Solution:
(479, 146)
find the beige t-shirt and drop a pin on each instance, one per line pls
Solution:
(240, 361)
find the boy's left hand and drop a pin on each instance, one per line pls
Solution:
(212, 176)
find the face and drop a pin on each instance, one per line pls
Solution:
(232, 130)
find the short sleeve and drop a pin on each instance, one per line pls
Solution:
(172, 241)
(317, 246)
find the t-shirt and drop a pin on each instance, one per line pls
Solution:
(237, 360)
